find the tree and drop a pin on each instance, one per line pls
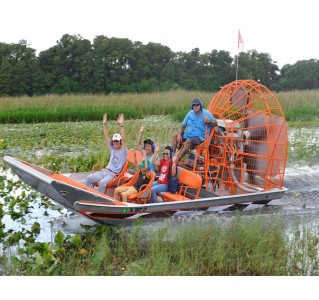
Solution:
(71, 58)
(74, 65)
(259, 67)
(111, 64)
(18, 67)
(303, 74)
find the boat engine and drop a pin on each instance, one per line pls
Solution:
(250, 144)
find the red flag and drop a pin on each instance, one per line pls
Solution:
(240, 42)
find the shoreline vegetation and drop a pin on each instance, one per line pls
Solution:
(220, 246)
(298, 106)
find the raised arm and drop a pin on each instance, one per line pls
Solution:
(137, 166)
(139, 138)
(156, 161)
(106, 131)
(120, 121)
(174, 165)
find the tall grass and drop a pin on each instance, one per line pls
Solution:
(297, 106)
(235, 247)
(54, 108)
(238, 246)
(300, 106)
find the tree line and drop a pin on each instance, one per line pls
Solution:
(118, 65)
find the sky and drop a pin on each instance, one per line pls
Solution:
(287, 30)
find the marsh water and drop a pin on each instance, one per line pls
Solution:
(299, 205)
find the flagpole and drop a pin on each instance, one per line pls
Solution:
(237, 66)
(240, 43)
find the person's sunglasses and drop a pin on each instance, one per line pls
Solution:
(196, 105)
(165, 153)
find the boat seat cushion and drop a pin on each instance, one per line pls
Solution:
(188, 180)
(173, 197)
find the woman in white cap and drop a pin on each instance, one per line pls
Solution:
(118, 149)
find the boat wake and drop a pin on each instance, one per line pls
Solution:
(303, 180)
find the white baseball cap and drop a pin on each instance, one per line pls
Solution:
(116, 137)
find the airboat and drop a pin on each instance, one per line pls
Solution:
(240, 164)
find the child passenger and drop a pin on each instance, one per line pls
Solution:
(143, 178)
(148, 146)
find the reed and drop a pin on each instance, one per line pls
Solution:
(297, 105)
(300, 106)
(54, 108)
(294, 99)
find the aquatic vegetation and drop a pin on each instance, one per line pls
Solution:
(223, 246)
(75, 146)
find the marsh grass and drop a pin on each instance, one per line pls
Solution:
(54, 108)
(300, 106)
(297, 106)
(237, 246)
(303, 249)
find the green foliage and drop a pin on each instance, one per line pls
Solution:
(75, 146)
(180, 115)
(59, 238)
(304, 114)
(117, 65)
(234, 246)
(86, 107)
(298, 105)
(302, 75)
(36, 228)
(41, 115)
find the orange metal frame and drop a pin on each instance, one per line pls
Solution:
(248, 150)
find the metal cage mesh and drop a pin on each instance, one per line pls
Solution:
(250, 145)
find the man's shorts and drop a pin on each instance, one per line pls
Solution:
(195, 141)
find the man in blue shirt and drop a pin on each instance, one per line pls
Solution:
(198, 123)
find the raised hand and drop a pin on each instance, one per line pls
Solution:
(120, 119)
(142, 128)
(104, 118)
(174, 158)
